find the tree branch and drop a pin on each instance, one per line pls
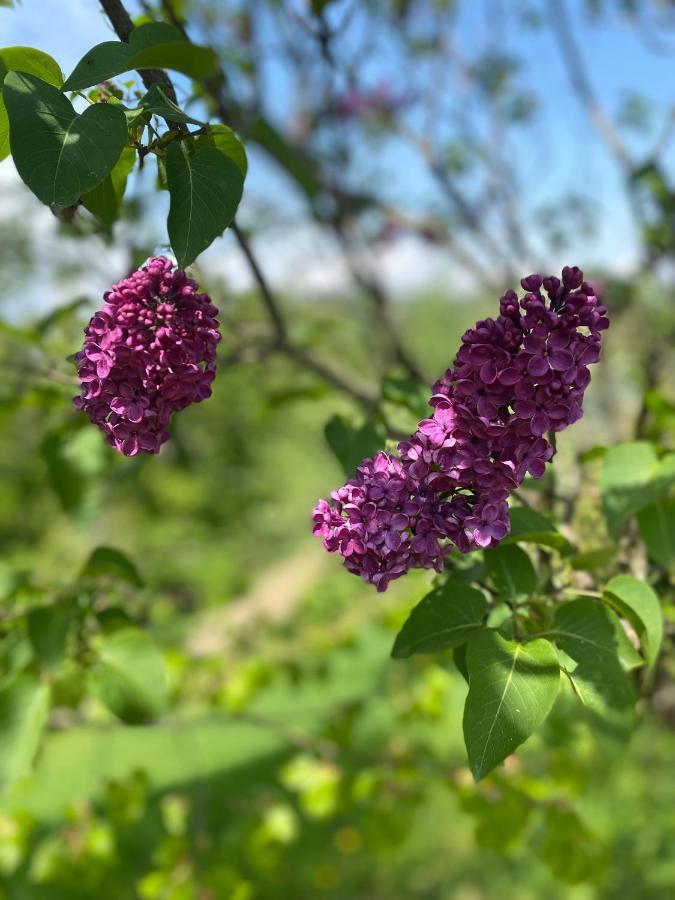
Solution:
(120, 20)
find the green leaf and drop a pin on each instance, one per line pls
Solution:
(157, 103)
(225, 140)
(531, 527)
(24, 705)
(106, 561)
(657, 528)
(567, 847)
(64, 477)
(105, 199)
(34, 62)
(632, 478)
(512, 688)
(129, 677)
(636, 600)
(511, 571)
(59, 154)
(445, 618)
(352, 445)
(408, 393)
(151, 46)
(205, 189)
(48, 630)
(588, 633)
(593, 559)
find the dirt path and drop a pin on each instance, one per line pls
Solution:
(272, 598)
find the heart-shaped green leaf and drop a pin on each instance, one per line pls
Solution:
(511, 691)
(151, 46)
(205, 188)
(34, 62)
(60, 154)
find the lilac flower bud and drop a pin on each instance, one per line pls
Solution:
(513, 380)
(149, 352)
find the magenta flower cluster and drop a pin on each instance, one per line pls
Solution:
(515, 379)
(149, 352)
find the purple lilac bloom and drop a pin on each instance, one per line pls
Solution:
(149, 352)
(514, 379)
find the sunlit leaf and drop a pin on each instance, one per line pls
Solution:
(58, 153)
(636, 600)
(32, 61)
(24, 704)
(151, 46)
(129, 677)
(512, 688)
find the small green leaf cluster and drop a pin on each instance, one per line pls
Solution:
(520, 621)
(64, 649)
(69, 156)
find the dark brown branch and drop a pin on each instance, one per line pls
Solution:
(282, 341)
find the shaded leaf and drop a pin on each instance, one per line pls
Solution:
(657, 528)
(107, 561)
(34, 62)
(205, 189)
(587, 632)
(154, 45)
(105, 199)
(632, 478)
(512, 688)
(636, 600)
(48, 630)
(531, 527)
(129, 677)
(64, 477)
(24, 704)
(511, 571)
(158, 104)
(445, 618)
(572, 853)
(352, 445)
(58, 153)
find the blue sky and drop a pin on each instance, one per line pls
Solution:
(562, 155)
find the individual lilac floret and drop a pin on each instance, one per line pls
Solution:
(515, 379)
(149, 352)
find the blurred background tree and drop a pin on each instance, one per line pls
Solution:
(408, 161)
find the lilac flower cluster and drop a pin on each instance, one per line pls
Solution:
(514, 379)
(149, 352)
